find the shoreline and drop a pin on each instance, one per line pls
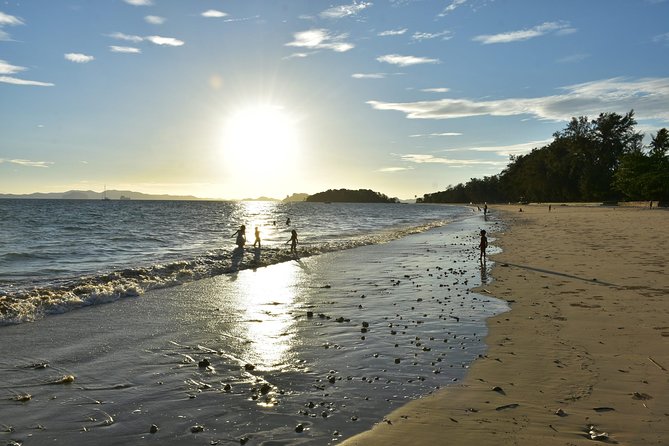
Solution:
(585, 343)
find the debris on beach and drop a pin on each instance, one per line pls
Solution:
(196, 428)
(22, 397)
(507, 406)
(560, 413)
(596, 435)
(65, 379)
(153, 429)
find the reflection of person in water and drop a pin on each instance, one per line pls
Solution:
(241, 236)
(293, 241)
(257, 241)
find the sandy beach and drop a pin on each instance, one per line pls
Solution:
(586, 342)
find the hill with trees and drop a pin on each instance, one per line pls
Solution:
(602, 159)
(351, 196)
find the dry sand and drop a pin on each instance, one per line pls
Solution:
(586, 341)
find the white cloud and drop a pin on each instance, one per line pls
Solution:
(154, 19)
(431, 159)
(452, 7)
(126, 37)
(321, 39)
(124, 49)
(338, 12)
(16, 81)
(297, 56)
(662, 38)
(648, 97)
(79, 58)
(431, 135)
(162, 41)
(393, 32)
(6, 19)
(26, 163)
(525, 34)
(213, 13)
(139, 2)
(395, 169)
(513, 149)
(7, 68)
(436, 90)
(445, 35)
(404, 61)
(368, 75)
(574, 58)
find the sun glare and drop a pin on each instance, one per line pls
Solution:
(263, 138)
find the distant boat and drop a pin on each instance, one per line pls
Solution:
(124, 198)
(104, 195)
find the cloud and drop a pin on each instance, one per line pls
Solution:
(445, 35)
(452, 7)
(513, 149)
(26, 163)
(79, 58)
(647, 96)
(139, 2)
(124, 49)
(430, 135)
(8, 20)
(213, 13)
(7, 68)
(126, 37)
(338, 12)
(392, 32)
(405, 61)
(154, 19)
(395, 169)
(368, 75)
(431, 159)
(164, 41)
(574, 58)
(525, 34)
(321, 39)
(16, 81)
(436, 90)
(662, 38)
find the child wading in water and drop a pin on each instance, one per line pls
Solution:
(483, 245)
(293, 241)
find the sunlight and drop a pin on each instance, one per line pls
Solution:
(261, 137)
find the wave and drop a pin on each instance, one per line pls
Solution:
(29, 304)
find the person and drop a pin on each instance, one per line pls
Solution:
(257, 241)
(288, 221)
(485, 209)
(241, 236)
(293, 241)
(550, 206)
(483, 245)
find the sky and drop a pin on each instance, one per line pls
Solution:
(238, 99)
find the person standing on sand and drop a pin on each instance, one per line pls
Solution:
(241, 236)
(483, 245)
(257, 241)
(293, 241)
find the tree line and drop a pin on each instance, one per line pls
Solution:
(601, 159)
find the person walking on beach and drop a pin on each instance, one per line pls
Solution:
(257, 241)
(293, 241)
(483, 245)
(241, 236)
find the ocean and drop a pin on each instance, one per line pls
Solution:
(132, 323)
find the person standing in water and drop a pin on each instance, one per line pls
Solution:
(293, 241)
(241, 236)
(483, 244)
(257, 241)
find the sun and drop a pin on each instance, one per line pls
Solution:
(260, 137)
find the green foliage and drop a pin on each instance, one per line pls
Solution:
(590, 160)
(351, 196)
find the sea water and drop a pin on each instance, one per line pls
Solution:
(214, 348)
(56, 255)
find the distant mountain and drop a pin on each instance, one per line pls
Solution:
(351, 196)
(92, 195)
(258, 199)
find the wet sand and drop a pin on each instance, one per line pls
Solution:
(584, 347)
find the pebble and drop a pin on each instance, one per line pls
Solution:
(153, 429)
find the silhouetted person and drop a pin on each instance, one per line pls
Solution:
(288, 221)
(293, 241)
(241, 236)
(550, 207)
(257, 241)
(485, 209)
(483, 245)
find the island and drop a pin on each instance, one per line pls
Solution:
(350, 196)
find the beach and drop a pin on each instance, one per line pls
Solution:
(583, 355)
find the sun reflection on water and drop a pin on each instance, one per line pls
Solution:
(267, 300)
